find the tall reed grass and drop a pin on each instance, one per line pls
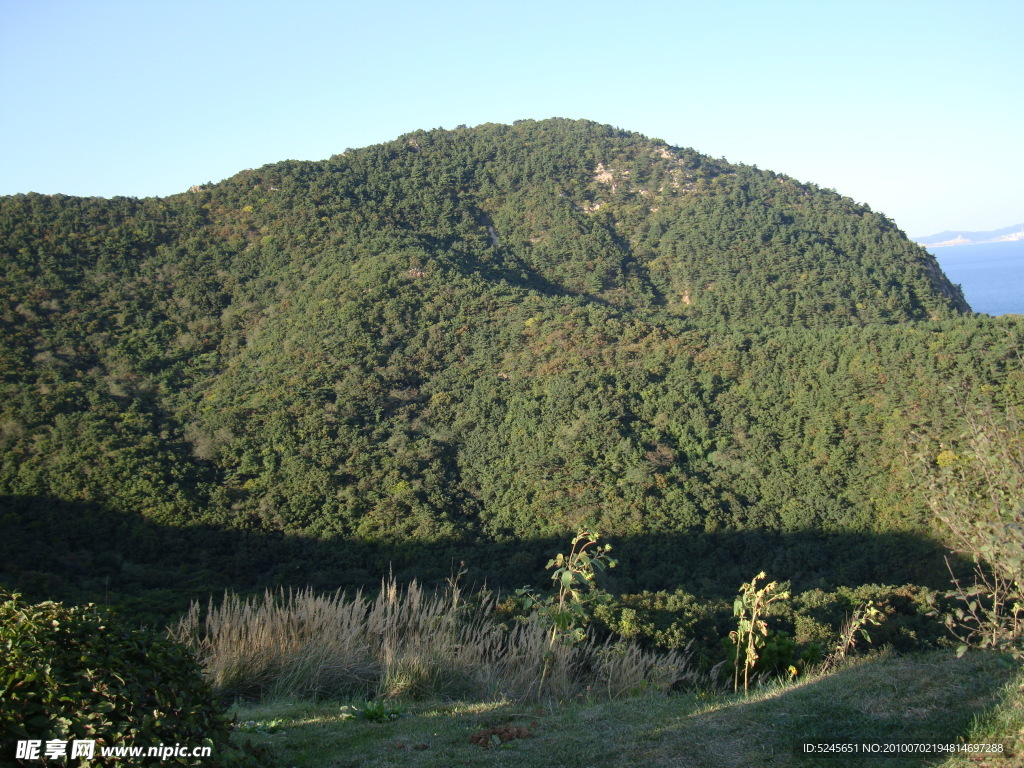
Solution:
(406, 642)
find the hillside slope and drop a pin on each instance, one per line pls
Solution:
(472, 337)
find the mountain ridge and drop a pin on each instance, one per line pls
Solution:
(950, 238)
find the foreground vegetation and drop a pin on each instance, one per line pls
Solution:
(560, 644)
(933, 698)
(412, 679)
(434, 702)
(320, 664)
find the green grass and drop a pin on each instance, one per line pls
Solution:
(926, 698)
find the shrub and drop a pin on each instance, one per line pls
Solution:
(667, 621)
(75, 673)
(979, 496)
(819, 616)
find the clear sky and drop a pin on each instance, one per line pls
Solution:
(912, 106)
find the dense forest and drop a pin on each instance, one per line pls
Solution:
(461, 345)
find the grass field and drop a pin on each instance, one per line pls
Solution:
(933, 698)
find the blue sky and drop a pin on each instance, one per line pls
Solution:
(912, 106)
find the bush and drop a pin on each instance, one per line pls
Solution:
(75, 673)
(979, 496)
(667, 621)
(818, 616)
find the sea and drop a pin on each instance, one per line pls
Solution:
(991, 275)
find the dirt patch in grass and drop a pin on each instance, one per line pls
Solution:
(494, 737)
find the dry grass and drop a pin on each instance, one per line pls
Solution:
(406, 643)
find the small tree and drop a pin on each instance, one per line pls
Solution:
(575, 574)
(568, 610)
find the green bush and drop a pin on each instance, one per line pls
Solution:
(75, 673)
(908, 626)
(812, 621)
(666, 620)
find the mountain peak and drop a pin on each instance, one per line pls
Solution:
(586, 209)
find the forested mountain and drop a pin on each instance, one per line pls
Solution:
(460, 345)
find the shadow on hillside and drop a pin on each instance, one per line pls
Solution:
(83, 552)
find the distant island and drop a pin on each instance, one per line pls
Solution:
(951, 238)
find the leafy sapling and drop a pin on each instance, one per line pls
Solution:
(855, 625)
(568, 610)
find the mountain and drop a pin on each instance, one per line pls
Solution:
(460, 345)
(960, 237)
